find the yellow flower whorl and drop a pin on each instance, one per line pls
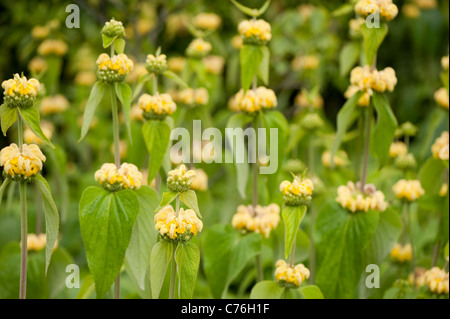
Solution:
(21, 164)
(258, 32)
(401, 254)
(157, 106)
(298, 192)
(180, 179)
(410, 190)
(113, 179)
(113, 69)
(207, 21)
(441, 98)
(20, 91)
(179, 228)
(440, 147)
(253, 100)
(257, 219)
(290, 276)
(387, 9)
(437, 281)
(353, 199)
(52, 47)
(198, 48)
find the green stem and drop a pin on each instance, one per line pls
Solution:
(312, 250)
(20, 131)
(117, 287)
(115, 115)
(368, 118)
(173, 274)
(155, 84)
(38, 211)
(23, 243)
(259, 268)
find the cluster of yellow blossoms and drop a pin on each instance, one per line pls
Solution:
(398, 149)
(386, 8)
(180, 179)
(441, 98)
(198, 48)
(156, 64)
(113, 179)
(354, 199)
(113, 69)
(410, 190)
(52, 47)
(19, 91)
(157, 106)
(302, 101)
(259, 219)
(36, 242)
(176, 64)
(253, 100)
(440, 147)
(305, 62)
(444, 190)
(257, 32)
(179, 227)
(298, 192)
(437, 281)
(199, 181)
(214, 64)
(340, 159)
(54, 104)
(290, 276)
(192, 97)
(402, 254)
(207, 21)
(21, 163)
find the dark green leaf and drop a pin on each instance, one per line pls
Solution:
(168, 197)
(95, 97)
(171, 75)
(119, 45)
(107, 40)
(190, 199)
(311, 292)
(292, 217)
(251, 58)
(31, 117)
(266, 290)
(161, 256)
(431, 171)
(349, 57)
(123, 92)
(157, 137)
(373, 37)
(264, 67)
(8, 117)
(187, 257)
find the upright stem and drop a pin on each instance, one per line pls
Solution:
(258, 261)
(23, 243)
(23, 223)
(117, 288)
(38, 212)
(259, 268)
(292, 259)
(155, 84)
(367, 123)
(115, 115)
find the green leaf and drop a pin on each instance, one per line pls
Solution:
(264, 8)
(345, 119)
(248, 11)
(174, 77)
(251, 58)
(446, 251)
(143, 237)
(430, 172)
(264, 66)
(384, 131)
(8, 117)
(107, 40)
(140, 85)
(266, 290)
(87, 288)
(239, 120)
(123, 92)
(161, 256)
(51, 218)
(119, 45)
(3, 188)
(95, 97)
(311, 292)
(190, 199)
(225, 254)
(349, 57)
(30, 115)
(292, 217)
(106, 223)
(157, 137)
(343, 236)
(373, 37)
(187, 257)
(168, 197)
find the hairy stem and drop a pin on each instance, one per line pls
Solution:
(23, 243)
(115, 115)
(117, 287)
(368, 120)
(259, 268)
(173, 274)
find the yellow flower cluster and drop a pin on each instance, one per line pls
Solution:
(290, 276)
(180, 179)
(257, 32)
(440, 147)
(354, 199)
(426, 4)
(179, 227)
(417, 278)
(214, 64)
(253, 100)
(444, 190)
(410, 10)
(367, 79)
(298, 192)
(30, 138)
(259, 219)
(398, 149)
(37, 65)
(19, 91)
(306, 62)
(340, 159)
(207, 21)
(113, 179)
(113, 69)
(36, 242)
(302, 101)
(157, 106)
(387, 9)
(193, 97)
(355, 27)
(410, 190)
(364, 100)
(402, 254)
(85, 78)
(52, 47)
(156, 64)
(437, 281)
(445, 62)
(198, 48)
(199, 181)
(441, 98)
(21, 163)
(40, 31)
(176, 64)
(54, 104)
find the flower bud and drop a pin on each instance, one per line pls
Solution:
(405, 162)
(198, 48)
(156, 65)
(312, 122)
(113, 28)
(180, 180)
(298, 192)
